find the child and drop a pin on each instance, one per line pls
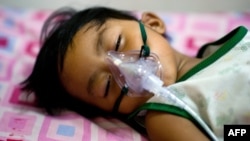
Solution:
(71, 72)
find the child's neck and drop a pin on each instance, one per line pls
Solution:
(186, 63)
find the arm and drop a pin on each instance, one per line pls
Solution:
(163, 127)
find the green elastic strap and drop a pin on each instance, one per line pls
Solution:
(143, 33)
(119, 99)
(145, 50)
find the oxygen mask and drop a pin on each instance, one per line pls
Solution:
(129, 69)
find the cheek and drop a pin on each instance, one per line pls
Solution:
(169, 70)
(129, 104)
(132, 40)
(167, 58)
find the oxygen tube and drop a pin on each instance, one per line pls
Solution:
(143, 75)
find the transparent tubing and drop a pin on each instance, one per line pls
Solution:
(167, 94)
(142, 75)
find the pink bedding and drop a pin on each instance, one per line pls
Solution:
(19, 34)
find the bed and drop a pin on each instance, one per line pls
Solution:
(20, 120)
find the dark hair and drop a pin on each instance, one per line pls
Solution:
(57, 34)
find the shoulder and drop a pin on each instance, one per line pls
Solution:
(164, 126)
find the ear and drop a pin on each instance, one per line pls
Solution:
(154, 22)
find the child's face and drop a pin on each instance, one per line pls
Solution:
(86, 73)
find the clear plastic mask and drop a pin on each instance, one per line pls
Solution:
(128, 68)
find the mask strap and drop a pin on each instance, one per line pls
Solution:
(145, 50)
(124, 91)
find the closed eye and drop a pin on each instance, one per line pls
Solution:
(118, 42)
